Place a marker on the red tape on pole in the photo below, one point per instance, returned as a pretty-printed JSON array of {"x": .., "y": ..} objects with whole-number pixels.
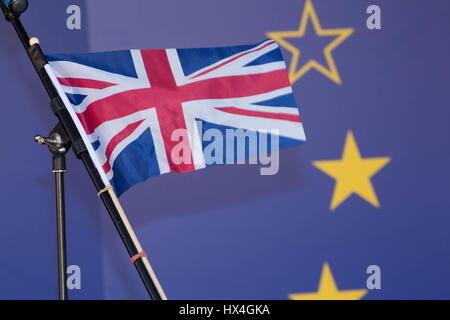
[{"x": 141, "y": 254}]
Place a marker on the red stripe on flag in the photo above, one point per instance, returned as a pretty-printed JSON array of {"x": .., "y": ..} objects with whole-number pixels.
[
  {"x": 85, "y": 83},
  {"x": 116, "y": 140},
  {"x": 119, "y": 105},
  {"x": 261, "y": 114},
  {"x": 235, "y": 58}
]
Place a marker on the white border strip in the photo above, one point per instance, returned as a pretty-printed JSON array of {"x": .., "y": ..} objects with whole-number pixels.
[{"x": 77, "y": 122}]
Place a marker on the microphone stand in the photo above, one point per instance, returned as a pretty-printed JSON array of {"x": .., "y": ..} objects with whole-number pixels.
[
  {"x": 58, "y": 144},
  {"x": 68, "y": 135}
]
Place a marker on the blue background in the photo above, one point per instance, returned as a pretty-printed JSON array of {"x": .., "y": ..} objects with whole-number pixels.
[{"x": 226, "y": 232}]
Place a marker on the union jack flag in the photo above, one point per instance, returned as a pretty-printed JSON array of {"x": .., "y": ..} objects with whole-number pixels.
[{"x": 129, "y": 103}]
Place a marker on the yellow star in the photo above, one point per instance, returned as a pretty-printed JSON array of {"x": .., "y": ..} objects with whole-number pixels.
[
  {"x": 296, "y": 73},
  {"x": 328, "y": 290},
  {"x": 352, "y": 173}
]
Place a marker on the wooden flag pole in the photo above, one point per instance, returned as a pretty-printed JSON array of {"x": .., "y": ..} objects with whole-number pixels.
[
  {"x": 109, "y": 198},
  {"x": 142, "y": 255}
]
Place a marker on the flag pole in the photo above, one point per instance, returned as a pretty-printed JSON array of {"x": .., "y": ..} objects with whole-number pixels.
[{"x": 105, "y": 190}]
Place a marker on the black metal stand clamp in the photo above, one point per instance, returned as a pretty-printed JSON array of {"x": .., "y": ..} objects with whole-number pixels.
[{"x": 68, "y": 129}]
